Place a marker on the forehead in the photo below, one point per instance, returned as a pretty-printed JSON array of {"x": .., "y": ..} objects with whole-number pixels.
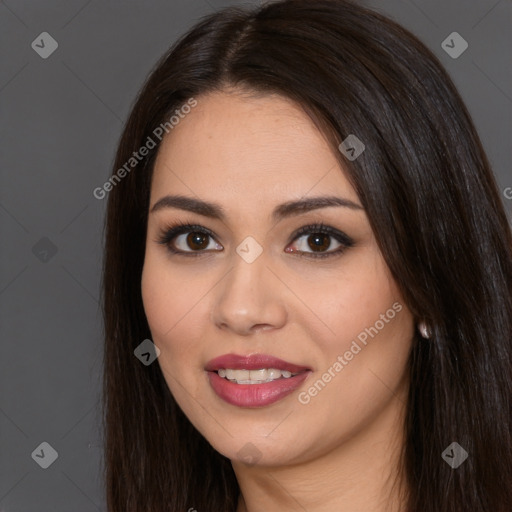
[{"x": 250, "y": 151}]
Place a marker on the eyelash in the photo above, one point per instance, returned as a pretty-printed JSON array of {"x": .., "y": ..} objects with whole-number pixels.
[{"x": 168, "y": 234}]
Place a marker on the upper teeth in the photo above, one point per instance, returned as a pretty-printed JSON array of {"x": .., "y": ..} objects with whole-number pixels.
[{"x": 254, "y": 376}]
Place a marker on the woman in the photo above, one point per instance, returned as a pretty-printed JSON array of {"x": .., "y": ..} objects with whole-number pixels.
[{"x": 303, "y": 222}]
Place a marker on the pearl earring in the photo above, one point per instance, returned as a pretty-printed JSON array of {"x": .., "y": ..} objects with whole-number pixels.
[{"x": 425, "y": 330}]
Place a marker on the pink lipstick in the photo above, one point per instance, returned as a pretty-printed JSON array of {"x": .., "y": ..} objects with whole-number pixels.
[{"x": 256, "y": 380}]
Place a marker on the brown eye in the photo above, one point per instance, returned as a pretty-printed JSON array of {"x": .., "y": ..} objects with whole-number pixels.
[
  {"x": 197, "y": 241},
  {"x": 193, "y": 241},
  {"x": 188, "y": 240},
  {"x": 319, "y": 241},
  {"x": 316, "y": 241}
]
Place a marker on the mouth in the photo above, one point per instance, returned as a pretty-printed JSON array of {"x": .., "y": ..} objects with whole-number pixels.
[
  {"x": 261, "y": 376},
  {"x": 254, "y": 381}
]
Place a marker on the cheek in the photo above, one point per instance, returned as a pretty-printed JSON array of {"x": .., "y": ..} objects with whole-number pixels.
[
  {"x": 341, "y": 308},
  {"x": 365, "y": 322},
  {"x": 171, "y": 307}
]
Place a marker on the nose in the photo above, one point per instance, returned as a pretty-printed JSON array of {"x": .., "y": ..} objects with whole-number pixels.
[{"x": 249, "y": 298}]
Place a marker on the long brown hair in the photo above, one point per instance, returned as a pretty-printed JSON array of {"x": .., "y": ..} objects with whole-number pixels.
[{"x": 433, "y": 204}]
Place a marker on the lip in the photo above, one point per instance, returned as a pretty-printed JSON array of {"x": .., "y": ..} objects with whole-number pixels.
[
  {"x": 254, "y": 395},
  {"x": 252, "y": 362}
]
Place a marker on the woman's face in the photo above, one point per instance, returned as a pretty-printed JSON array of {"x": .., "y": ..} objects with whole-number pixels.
[{"x": 254, "y": 287}]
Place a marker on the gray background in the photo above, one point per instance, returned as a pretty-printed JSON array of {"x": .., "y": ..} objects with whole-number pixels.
[{"x": 60, "y": 121}]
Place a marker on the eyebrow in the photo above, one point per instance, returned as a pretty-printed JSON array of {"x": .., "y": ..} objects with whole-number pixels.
[{"x": 216, "y": 211}]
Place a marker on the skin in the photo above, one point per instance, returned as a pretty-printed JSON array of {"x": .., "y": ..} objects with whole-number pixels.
[{"x": 340, "y": 450}]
